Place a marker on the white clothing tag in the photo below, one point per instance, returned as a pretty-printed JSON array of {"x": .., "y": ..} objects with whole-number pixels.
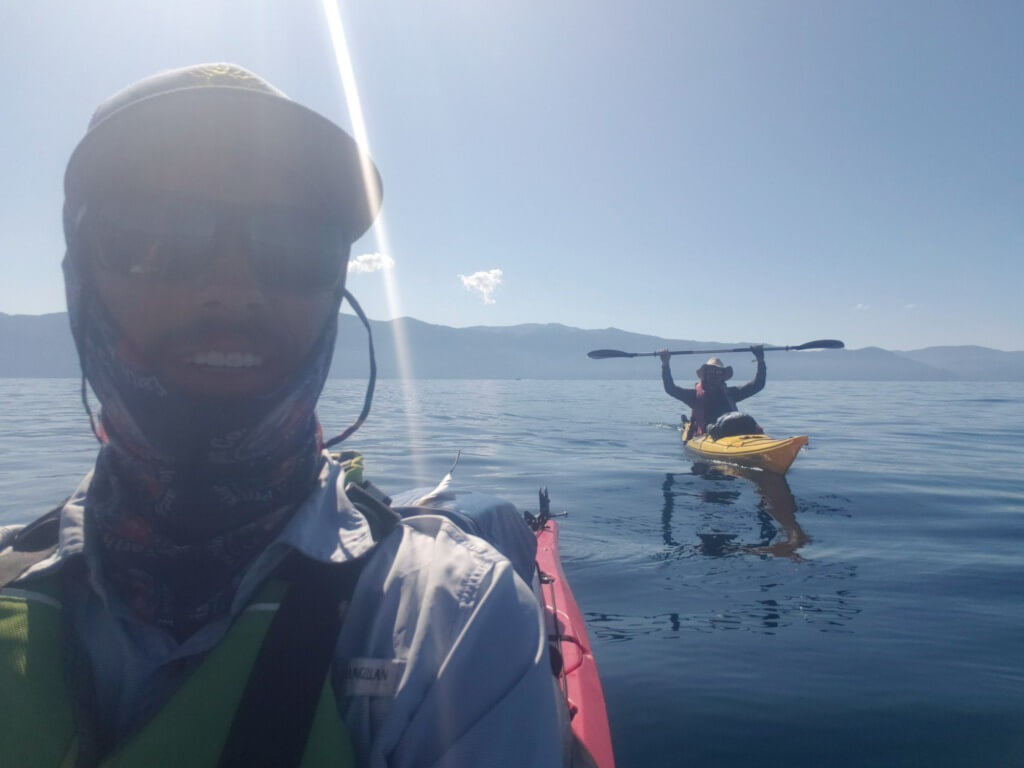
[{"x": 373, "y": 677}]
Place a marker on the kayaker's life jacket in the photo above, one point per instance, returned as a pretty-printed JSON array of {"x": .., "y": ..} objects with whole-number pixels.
[
  {"x": 709, "y": 406},
  {"x": 261, "y": 696}
]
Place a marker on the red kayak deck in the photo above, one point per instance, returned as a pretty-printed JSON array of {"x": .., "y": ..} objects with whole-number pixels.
[{"x": 578, "y": 677}]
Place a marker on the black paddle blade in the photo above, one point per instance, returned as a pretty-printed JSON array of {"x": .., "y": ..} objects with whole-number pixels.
[
  {"x": 604, "y": 354},
  {"x": 822, "y": 344}
]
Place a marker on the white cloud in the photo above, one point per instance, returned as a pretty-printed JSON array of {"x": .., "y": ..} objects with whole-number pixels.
[
  {"x": 863, "y": 307},
  {"x": 370, "y": 262},
  {"x": 484, "y": 283},
  {"x": 911, "y": 306}
]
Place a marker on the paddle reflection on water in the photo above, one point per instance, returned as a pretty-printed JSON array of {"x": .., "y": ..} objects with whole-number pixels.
[{"x": 776, "y": 511}]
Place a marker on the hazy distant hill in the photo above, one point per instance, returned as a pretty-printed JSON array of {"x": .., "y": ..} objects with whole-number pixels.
[
  {"x": 41, "y": 346},
  {"x": 37, "y": 346},
  {"x": 971, "y": 362}
]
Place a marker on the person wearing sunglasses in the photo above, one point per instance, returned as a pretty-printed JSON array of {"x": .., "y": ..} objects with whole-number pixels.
[
  {"x": 219, "y": 590},
  {"x": 710, "y": 399}
]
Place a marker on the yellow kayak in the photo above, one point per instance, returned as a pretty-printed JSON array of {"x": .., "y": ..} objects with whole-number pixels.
[{"x": 758, "y": 451}]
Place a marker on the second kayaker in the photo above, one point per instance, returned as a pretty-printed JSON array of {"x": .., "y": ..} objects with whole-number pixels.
[{"x": 710, "y": 398}]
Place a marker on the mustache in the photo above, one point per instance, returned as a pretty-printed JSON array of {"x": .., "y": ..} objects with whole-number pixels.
[{"x": 258, "y": 330}]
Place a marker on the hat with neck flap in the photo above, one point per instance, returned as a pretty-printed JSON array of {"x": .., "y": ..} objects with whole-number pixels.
[
  {"x": 186, "y": 490},
  {"x": 223, "y": 116}
]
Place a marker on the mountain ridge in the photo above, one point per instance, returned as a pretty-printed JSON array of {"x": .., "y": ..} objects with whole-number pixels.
[{"x": 40, "y": 346}]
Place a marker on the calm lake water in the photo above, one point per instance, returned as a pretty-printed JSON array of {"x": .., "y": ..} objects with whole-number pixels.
[{"x": 866, "y": 611}]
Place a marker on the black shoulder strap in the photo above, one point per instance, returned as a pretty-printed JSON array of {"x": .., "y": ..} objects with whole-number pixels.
[
  {"x": 32, "y": 544},
  {"x": 274, "y": 719}
]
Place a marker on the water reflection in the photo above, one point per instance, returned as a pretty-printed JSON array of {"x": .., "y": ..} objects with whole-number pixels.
[
  {"x": 780, "y": 534},
  {"x": 830, "y": 612}
]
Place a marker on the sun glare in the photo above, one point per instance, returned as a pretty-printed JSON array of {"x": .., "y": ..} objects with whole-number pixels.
[{"x": 355, "y": 111}]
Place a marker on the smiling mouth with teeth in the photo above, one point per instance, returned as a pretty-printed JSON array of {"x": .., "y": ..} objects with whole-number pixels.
[{"x": 226, "y": 360}]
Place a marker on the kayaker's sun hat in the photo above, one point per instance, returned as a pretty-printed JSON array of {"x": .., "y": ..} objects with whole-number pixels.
[
  {"x": 724, "y": 371},
  {"x": 222, "y": 116}
]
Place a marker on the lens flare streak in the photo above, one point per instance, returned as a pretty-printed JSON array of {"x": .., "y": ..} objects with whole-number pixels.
[{"x": 353, "y": 103}]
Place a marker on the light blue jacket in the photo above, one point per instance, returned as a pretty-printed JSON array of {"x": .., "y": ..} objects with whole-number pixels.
[{"x": 442, "y": 660}]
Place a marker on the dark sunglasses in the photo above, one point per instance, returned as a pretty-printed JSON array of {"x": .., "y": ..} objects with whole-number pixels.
[{"x": 176, "y": 240}]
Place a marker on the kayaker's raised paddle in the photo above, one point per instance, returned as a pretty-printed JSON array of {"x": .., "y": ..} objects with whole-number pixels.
[{"x": 604, "y": 354}]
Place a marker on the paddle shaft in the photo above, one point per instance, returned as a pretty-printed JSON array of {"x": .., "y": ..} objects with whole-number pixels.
[
  {"x": 709, "y": 351},
  {"x": 603, "y": 354}
]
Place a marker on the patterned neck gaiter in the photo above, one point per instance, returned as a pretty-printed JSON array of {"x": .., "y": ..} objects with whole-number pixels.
[{"x": 187, "y": 491}]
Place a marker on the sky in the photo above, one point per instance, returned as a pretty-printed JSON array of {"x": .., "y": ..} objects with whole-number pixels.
[{"x": 717, "y": 171}]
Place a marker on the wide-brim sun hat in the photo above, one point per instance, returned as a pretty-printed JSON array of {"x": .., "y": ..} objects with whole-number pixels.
[
  {"x": 223, "y": 116},
  {"x": 714, "y": 362}
]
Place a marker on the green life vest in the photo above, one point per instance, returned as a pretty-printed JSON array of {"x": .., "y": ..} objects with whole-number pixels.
[
  {"x": 37, "y": 723},
  {"x": 37, "y": 726}
]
